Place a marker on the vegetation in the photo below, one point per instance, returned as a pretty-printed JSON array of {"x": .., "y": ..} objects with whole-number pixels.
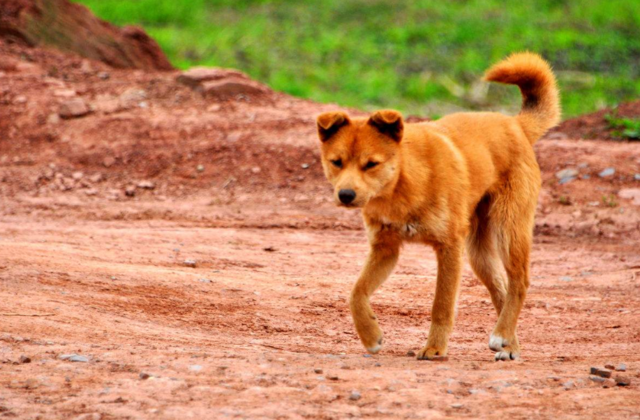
[
  {"x": 420, "y": 56},
  {"x": 625, "y": 128}
]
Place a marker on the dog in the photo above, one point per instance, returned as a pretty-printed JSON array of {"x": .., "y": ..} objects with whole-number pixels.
[{"x": 467, "y": 180}]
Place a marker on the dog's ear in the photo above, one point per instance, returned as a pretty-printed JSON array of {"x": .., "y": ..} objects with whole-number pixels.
[
  {"x": 389, "y": 123},
  {"x": 329, "y": 123}
]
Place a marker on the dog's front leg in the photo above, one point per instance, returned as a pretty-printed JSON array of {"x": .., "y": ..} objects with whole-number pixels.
[
  {"x": 385, "y": 247},
  {"x": 444, "y": 304}
]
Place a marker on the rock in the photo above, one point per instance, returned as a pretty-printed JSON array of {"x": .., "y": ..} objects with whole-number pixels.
[
  {"x": 25, "y": 359},
  {"x": 53, "y": 119},
  {"x": 74, "y": 108},
  {"x": 146, "y": 185},
  {"x": 636, "y": 177},
  {"x": 132, "y": 96},
  {"x": 232, "y": 87},
  {"x": 74, "y": 358},
  {"x": 566, "y": 278},
  {"x": 130, "y": 190},
  {"x": 144, "y": 376},
  {"x": 610, "y": 366},
  {"x": 269, "y": 249},
  {"x": 621, "y": 367},
  {"x": 332, "y": 377},
  {"x": 198, "y": 75},
  {"x": 622, "y": 381},
  {"x": 607, "y": 173},
  {"x": 77, "y": 175},
  {"x": 204, "y": 280},
  {"x": 20, "y": 99},
  {"x": 601, "y": 372},
  {"x": 355, "y": 395},
  {"x": 567, "y": 173},
  {"x": 597, "y": 379},
  {"x": 568, "y": 385},
  {"x": 256, "y": 170},
  {"x": 96, "y": 177},
  {"x": 200, "y": 168},
  {"x": 411, "y": 353},
  {"x": 64, "y": 93},
  {"x": 195, "y": 368},
  {"x": 190, "y": 263},
  {"x": 109, "y": 161},
  {"x": 305, "y": 166},
  {"x": 630, "y": 194},
  {"x": 104, "y": 75},
  {"x": 457, "y": 405},
  {"x": 317, "y": 370}
]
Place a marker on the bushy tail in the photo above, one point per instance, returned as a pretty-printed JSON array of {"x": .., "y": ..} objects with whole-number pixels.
[{"x": 540, "y": 96}]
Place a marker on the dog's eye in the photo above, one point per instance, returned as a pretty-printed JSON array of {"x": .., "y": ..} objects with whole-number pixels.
[
  {"x": 370, "y": 164},
  {"x": 337, "y": 163}
]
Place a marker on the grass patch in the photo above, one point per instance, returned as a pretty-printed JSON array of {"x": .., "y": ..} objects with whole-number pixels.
[
  {"x": 624, "y": 128},
  {"x": 419, "y": 56}
]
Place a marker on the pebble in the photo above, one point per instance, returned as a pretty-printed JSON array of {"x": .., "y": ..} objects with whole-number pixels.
[
  {"x": 609, "y": 366},
  {"x": 355, "y": 395},
  {"x": 204, "y": 280},
  {"x": 74, "y": 358},
  {"x": 74, "y": 108},
  {"x": 636, "y": 177},
  {"x": 25, "y": 359},
  {"x": 607, "y": 172},
  {"x": 305, "y": 166},
  {"x": 195, "y": 368},
  {"x": 317, "y": 370},
  {"x": 200, "y": 168},
  {"x": 367, "y": 355},
  {"x": 622, "y": 381},
  {"x": 630, "y": 194},
  {"x": 190, "y": 263},
  {"x": 568, "y": 385},
  {"x": 601, "y": 372},
  {"x": 144, "y": 376},
  {"x": 621, "y": 367},
  {"x": 146, "y": 185},
  {"x": 333, "y": 377},
  {"x": 130, "y": 191},
  {"x": 411, "y": 353},
  {"x": 597, "y": 379},
  {"x": 566, "y": 278},
  {"x": 567, "y": 175}
]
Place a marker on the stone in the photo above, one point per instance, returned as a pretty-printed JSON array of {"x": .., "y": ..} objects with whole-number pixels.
[
  {"x": 74, "y": 358},
  {"x": 567, "y": 173},
  {"x": 305, "y": 166},
  {"x": 636, "y": 177},
  {"x": 621, "y": 367},
  {"x": 317, "y": 370},
  {"x": 604, "y": 373},
  {"x": 198, "y": 75},
  {"x": 607, "y": 173},
  {"x": 77, "y": 175},
  {"x": 130, "y": 190},
  {"x": 74, "y": 108},
  {"x": 146, "y": 185},
  {"x": 630, "y": 194},
  {"x": 190, "y": 263},
  {"x": 355, "y": 395},
  {"x": 622, "y": 381},
  {"x": 144, "y": 376},
  {"x": 411, "y": 353},
  {"x": 232, "y": 87},
  {"x": 566, "y": 278},
  {"x": 25, "y": 359},
  {"x": 332, "y": 377},
  {"x": 457, "y": 405},
  {"x": 109, "y": 161},
  {"x": 609, "y": 366},
  {"x": 597, "y": 379},
  {"x": 195, "y": 368}
]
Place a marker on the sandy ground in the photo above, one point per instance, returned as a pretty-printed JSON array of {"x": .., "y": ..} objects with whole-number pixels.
[{"x": 99, "y": 212}]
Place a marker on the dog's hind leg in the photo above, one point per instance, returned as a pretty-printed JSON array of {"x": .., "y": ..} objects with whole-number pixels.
[
  {"x": 385, "y": 248},
  {"x": 483, "y": 254},
  {"x": 513, "y": 215}
]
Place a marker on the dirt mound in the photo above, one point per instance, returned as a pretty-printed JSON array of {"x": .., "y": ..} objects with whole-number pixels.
[
  {"x": 595, "y": 125},
  {"x": 72, "y": 27}
]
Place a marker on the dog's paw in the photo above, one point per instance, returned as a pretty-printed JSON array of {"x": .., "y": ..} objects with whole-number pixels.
[
  {"x": 376, "y": 347},
  {"x": 506, "y": 349},
  {"x": 431, "y": 353}
]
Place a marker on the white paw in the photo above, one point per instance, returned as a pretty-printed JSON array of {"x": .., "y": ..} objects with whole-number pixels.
[
  {"x": 506, "y": 355},
  {"x": 374, "y": 349},
  {"x": 496, "y": 343}
]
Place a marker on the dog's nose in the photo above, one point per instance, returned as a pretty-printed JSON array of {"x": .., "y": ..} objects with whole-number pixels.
[{"x": 347, "y": 196}]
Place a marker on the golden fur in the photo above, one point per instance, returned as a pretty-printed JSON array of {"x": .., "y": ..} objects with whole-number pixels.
[{"x": 468, "y": 180}]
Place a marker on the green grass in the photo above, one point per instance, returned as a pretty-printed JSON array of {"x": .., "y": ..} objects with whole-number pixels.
[
  {"x": 419, "y": 56},
  {"x": 625, "y": 128}
]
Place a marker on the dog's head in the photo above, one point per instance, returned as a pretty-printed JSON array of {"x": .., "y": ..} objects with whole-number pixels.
[{"x": 360, "y": 156}]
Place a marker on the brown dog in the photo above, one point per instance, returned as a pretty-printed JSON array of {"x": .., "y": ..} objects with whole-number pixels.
[{"x": 467, "y": 178}]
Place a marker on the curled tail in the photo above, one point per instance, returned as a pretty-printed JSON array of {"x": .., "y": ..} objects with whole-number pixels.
[{"x": 540, "y": 96}]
